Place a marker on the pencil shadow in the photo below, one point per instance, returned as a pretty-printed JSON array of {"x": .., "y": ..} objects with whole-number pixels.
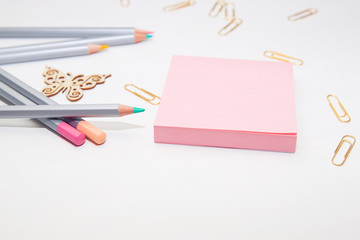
[
  {"x": 107, "y": 125},
  {"x": 104, "y": 125},
  {"x": 27, "y": 123}
]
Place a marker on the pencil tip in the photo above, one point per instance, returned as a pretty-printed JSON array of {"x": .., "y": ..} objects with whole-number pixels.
[
  {"x": 149, "y": 35},
  {"x": 143, "y": 31},
  {"x": 102, "y": 47},
  {"x": 94, "y": 48},
  {"x": 137, "y": 110}
]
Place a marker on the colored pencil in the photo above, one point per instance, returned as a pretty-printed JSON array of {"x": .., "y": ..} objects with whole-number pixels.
[
  {"x": 56, "y": 125},
  {"x": 104, "y": 40},
  {"x": 68, "y": 110},
  {"x": 50, "y": 53},
  {"x": 83, "y": 126},
  {"x": 66, "y": 32}
]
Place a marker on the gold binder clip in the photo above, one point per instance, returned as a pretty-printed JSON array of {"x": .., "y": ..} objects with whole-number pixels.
[
  {"x": 217, "y": 8},
  {"x": 125, "y": 3},
  {"x": 179, "y": 5},
  {"x": 302, "y": 14},
  {"x": 229, "y": 11},
  {"x": 343, "y": 140},
  {"x": 344, "y": 116},
  {"x": 230, "y": 26},
  {"x": 153, "y": 99},
  {"x": 283, "y": 57}
]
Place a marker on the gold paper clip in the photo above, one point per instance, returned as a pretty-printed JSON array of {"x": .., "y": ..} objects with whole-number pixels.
[
  {"x": 229, "y": 11},
  {"x": 302, "y": 14},
  {"x": 217, "y": 8},
  {"x": 343, "y": 117},
  {"x": 351, "y": 143},
  {"x": 230, "y": 26},
  {"x": 179, "y": 5},
  {"x": 285, "y": 58},
  {"x": 125, "y": 3},
  {"x": 153, "y": 99}
]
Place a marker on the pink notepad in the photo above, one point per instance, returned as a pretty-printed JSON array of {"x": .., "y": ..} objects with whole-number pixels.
[{"x": 228, "y": 103}]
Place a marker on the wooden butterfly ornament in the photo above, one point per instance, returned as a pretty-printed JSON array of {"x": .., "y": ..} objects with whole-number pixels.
[{"x": 72, "y": 86}]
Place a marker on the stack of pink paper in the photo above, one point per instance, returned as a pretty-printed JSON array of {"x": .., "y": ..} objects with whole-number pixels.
[{"x": 228, "y": 103}]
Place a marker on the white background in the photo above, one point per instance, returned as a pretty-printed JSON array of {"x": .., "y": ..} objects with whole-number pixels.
[{"x": 131, "y": 188}]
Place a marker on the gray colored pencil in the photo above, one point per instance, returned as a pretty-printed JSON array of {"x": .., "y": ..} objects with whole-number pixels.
[
  {"x": 105, "y": 40},
  {"x": 56, "y": 125},
  {"x": 66, "y": 32},
  {"x": 50, "y": 53},
  {"x": 67, "y": 110}
]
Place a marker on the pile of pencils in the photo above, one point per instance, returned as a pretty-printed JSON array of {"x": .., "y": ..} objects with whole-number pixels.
[
  {"x": 86, "y": 41},
  {"x": 62, "y": 119}
]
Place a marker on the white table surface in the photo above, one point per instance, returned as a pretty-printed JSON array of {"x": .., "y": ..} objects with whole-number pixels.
[{"x": 131, "y": 188}]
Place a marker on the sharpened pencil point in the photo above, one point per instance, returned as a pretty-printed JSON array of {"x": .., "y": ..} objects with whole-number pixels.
[
  {"x": 143, "y": 31},
  {"x": 94, "y": 48},
  {"x": 149, "y": 35},
  {"x": 137, "y": 110},
  {"x": 102, "y": 47}
]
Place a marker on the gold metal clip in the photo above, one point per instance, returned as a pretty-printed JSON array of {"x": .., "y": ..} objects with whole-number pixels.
[
  {"x": 125, "y": 3},
  {"x": 229, "y": 11},
  {"x": 179, "y": 5},
  {"x": 283, "y": 57},
  {"x": 302, "y": 14},
  {"x": 343, "y": 117},
  {"x": 217, "y": 8},
  {"x": 230, "y": 26},
  {"x": 343, "y": 140},
  {"x": 153, "y": 99}
]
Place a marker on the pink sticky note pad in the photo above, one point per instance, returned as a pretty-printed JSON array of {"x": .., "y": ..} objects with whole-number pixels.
[{"x": 228, "y": 103}]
